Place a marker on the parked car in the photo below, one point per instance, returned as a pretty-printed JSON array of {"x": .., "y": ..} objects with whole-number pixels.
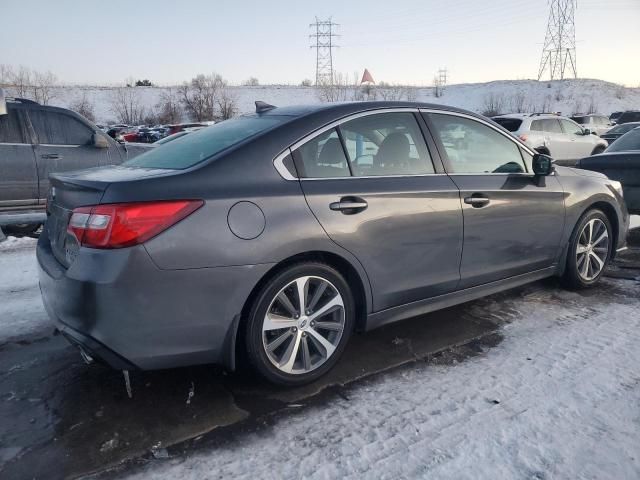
[
  {"x": 181, "y": 126},
  {"x": 175, "y": 136},
  {"x": 274, "y": 236},
  {"x": 614, "y": 117},
  {"x": 628, "y": 116},
  {"x": 618, "y": 131},
  {"x": 597, "y": 124},
  {"x": 37, "y": 140},
  {"x": 621, "y": 162},
  {"x": 553, "y": 135}
]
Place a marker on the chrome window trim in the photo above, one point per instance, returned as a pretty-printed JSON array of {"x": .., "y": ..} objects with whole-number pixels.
[
  {"x": 60, "y": 145},
  {"x": 376, "y": 176},
  {"x": 15, "y": 143},
  {"x": 279, "y": 166},
  {"x": 278, "y": 163}
]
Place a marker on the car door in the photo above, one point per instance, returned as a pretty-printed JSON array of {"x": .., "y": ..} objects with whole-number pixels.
[
  {"x": 18, "y": 173},
  {"x": 381, "y": 193},
  {"x": 580, "y": 145},
  {"x": 557, "y": 140},
  {"x": 63, "y": 143},
  {"x": 512, "y": 222}
]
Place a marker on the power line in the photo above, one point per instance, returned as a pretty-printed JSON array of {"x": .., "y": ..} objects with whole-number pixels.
[
  {"x": 324, "y": 45},
  {"x": 559, "y": 51}
]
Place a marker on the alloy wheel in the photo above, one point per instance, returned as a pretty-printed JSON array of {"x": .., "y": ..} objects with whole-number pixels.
[
  {"x": 303, "y": 325},
  {"x": 592, "y": 249}
]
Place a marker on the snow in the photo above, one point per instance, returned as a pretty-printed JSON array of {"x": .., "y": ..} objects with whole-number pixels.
[
  {"x": 567, "y": 96},
  {"x": 557, "y": 398},
  {"x": 21, "y": 310},
  {"x": 634, "y": 221}
]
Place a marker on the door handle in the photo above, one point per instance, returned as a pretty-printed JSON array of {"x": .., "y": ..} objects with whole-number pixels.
[
  {"x": 477, "y": 201},
  {"x": 349, "y": 205},
  {"x": 51, "y": 156}
]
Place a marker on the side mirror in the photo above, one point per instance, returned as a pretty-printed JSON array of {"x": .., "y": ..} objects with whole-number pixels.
[
  {"x": 3, "y": 103},
  {"x": 542, "y": 165},
  {"x": 99, "y": 141}
]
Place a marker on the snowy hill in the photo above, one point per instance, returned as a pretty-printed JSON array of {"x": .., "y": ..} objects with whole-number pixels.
[{"x": 568, "y": 96}]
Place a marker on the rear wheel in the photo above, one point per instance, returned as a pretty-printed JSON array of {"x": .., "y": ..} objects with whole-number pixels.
[
  {"x": 590, "y": 249},
  {"x": 22, "y": 229},
  {"x": 597, "y": 150},
  {"x": 299, "y": 324}
]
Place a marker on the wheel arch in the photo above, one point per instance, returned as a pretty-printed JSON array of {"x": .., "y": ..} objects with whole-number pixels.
[{"x": 360, "y": 289}]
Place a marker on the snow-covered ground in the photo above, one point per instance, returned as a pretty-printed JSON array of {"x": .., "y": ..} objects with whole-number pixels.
[
  {"x": 21, "y": 311},
  {"x": 557, "y": 398},
  {"x": 567, "y": 96}
]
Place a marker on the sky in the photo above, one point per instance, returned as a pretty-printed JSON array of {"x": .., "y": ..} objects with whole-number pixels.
[{"x": 403, "y": 41}]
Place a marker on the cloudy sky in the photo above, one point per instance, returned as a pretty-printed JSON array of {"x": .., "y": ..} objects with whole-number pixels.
[{"x": 404, "y": 41}]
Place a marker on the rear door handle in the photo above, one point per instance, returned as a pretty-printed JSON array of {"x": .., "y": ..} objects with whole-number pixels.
[
  {"x": 51, "y": 156},
  {"x": 477, "y": 200},
  {"x": 349, "y": 205}
]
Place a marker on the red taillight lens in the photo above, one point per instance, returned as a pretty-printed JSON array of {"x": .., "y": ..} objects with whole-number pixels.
[{"x": 121, "y": 225}]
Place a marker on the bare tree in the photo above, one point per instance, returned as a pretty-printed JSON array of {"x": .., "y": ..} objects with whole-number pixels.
[
  {"x": 227, "y": 105},
  {"x": 84, "y": 107},
  {"x": 6, "y": 75},
  {"x": 43, "y": 86},
  {"x": 518, "y": 102},
  {"x": 391, "y": 92},
  {"x": 337, "y": 89},
  {"x": 21, "y": 81},
  {"x": 169, "y": 109},
  {"x": 126, "y": 105},
  {"x": 251, "y": 82},
  {"x": 493, "y": 105},
  {"x": 200, "y": 96},
  {"x": 593, "y": 105}
]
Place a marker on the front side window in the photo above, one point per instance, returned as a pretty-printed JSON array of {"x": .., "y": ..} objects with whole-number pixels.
[
  {"x": 571, "y": 128},
  {"x": 473, "y": 147},
  {"x": 322, "y": 157},
  {"x": 59, "y": 129},
  {"x": 386, "y": 144},
  {"x": 10, "y": 127}
]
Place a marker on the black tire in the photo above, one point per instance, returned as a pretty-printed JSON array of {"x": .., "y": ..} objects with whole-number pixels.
[
  {"x": 572, "y": 277},
  {"x": 255, "y": 347},
  {"x": 23, "y": 229},
  {"x": 599, "y": 149}
]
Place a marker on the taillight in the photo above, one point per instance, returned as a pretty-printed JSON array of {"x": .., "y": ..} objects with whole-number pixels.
[
  {"x": 121, "y": 225},
  {"x": 523, "y": 138}
]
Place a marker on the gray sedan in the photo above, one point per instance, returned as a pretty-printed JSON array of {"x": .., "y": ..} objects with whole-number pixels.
[{"x": 274, "y": 236}]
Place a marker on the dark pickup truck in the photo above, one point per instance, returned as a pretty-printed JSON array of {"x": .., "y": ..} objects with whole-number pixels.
[{"x": 37, "y": 140}]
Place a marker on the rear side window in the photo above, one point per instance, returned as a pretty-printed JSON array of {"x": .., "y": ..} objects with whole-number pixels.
[
  {"x": 474, "y": 148},
  {"x": 59, "y": 129},
  {"x": 511, "y": 124},
  {"x": 537, "y": 126},
  {"x": 198, "y": 146},
  {"x": 322, "y": 157},
  {"x": 386, "y": 144},
  {"x": 11, "y": 128}
]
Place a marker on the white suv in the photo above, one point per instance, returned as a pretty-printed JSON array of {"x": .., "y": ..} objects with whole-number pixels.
[
  {"x": 598, "y": 124},
  {"x": 554, "y": 135}
]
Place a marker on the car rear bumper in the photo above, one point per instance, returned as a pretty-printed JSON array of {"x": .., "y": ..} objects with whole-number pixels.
[{"x": 117, "y": 305}]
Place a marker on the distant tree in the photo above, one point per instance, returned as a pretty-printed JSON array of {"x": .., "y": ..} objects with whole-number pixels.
[
  {"x": 306, "y": 83},
  {"x": 84, "y": 107},
  {"x": 126, "y": 106},
  {"x": 43, "y": 87},
  {"x": 251, "y": 82},
  {"x": 169, "y": 109},
  {"x": 227, "y": 105},
  {"x": 493, "y": 105},
  {"x": 144, "y": 83},
  {"x": 205, "y": 98}
]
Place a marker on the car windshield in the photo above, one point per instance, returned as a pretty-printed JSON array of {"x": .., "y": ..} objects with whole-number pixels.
[
  {"x": 511, "y": 124},
  {"x": 198, "y": 146},
  {"x": 624, "y": 128},
  {"x": 629, "y": 141}
]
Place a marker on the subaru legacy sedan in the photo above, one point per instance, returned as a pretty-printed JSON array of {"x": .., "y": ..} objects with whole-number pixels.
[{"x": 274, "y": 236}]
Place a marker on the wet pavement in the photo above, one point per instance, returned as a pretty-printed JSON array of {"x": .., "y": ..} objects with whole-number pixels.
[{"x": 61, "y": 418}]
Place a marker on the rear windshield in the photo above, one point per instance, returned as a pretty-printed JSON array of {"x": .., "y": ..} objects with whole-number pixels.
[
  {"x": 629, "y": 141},
  {"x": 624, "y": 128},
  {"x": 581, "y": 120},
  {"x": 198, "y": 146},
  {"x": 511, "y": 124}
]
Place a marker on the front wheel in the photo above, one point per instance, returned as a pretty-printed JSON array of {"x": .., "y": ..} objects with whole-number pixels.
[
  {"x": 599, "y": 149},
  {"x": 299, "y": 324},
  {"x": 590, "y": 249}
]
